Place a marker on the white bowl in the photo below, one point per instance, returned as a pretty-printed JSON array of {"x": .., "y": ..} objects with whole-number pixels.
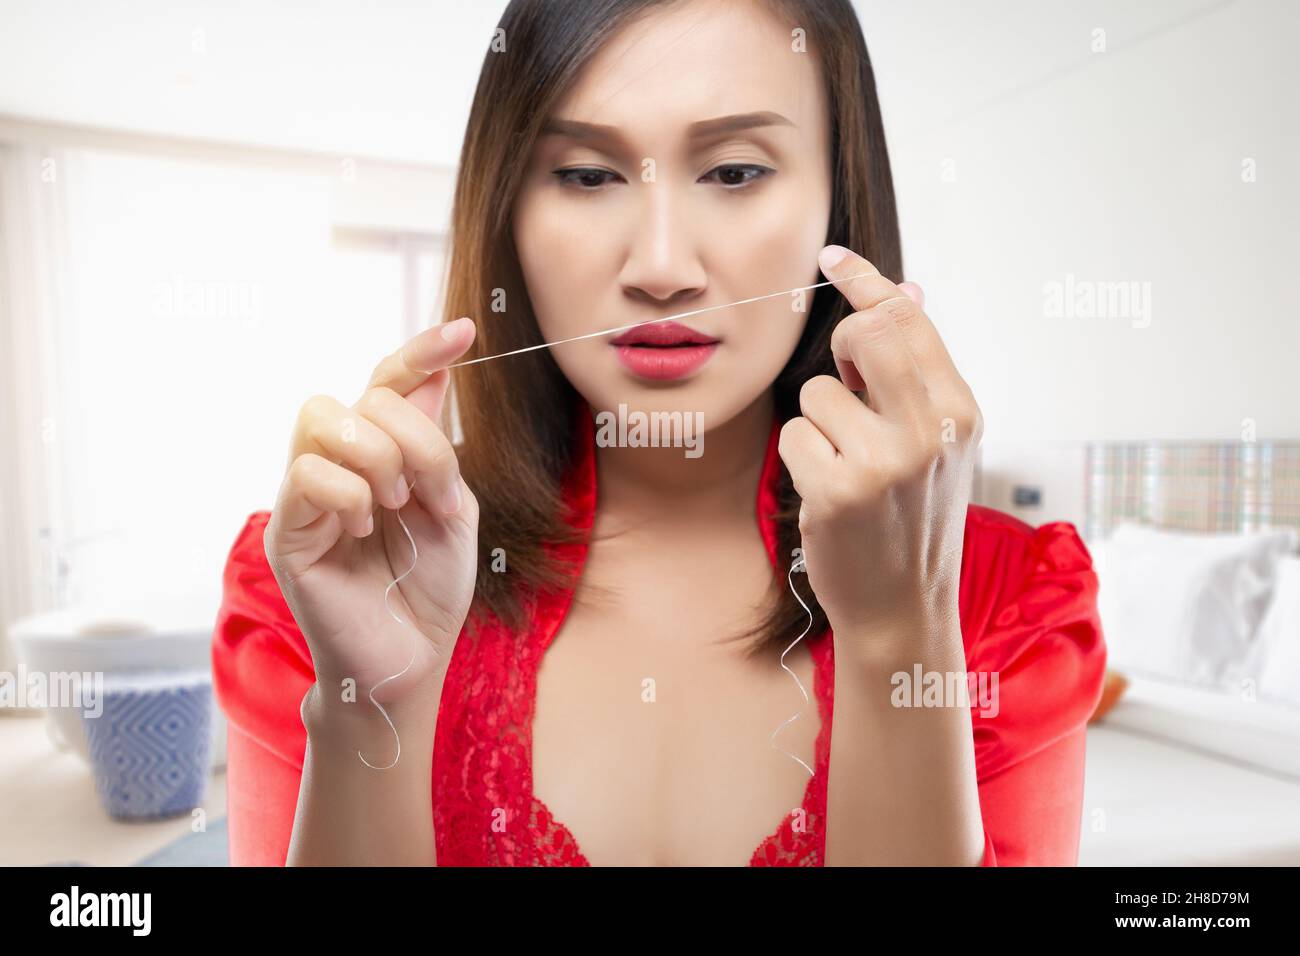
[{"x": 114, "y": 641}]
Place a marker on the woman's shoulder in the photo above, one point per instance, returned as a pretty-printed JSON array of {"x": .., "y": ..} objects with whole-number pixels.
[
  {"x": 248, "y": 543},
  {"x": 249, "y": 590},
  {"x": 998, "y": 537},
  {"x": 246, "y": 562},
  {"x": 1010, "y": 567},
  {"x": 1030, "y": 621}
]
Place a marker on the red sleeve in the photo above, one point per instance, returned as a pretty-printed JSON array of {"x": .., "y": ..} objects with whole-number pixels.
[
  {"x": 261, "y": 669},
  {"x": 990, "y": 857},
  {"x": 1043, "y": 644}
]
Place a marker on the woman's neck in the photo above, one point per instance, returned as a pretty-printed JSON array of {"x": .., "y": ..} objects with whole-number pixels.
[{"x": 663, "y": 488}]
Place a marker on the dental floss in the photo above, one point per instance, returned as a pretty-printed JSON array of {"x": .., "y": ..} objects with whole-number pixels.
[
  {"x": 633, "y": 325},
  {"x": 798, "y": 563},
  {"x": 415, "y": 551}
]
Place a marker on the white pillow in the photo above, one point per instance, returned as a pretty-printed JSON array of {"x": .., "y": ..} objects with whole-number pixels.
[
  {"x": 1276, "y": 661},
  {"x": 1183, "y": 605}
]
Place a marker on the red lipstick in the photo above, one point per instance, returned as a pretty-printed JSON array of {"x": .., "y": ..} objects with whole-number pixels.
[{"x": 663, "y": 350}]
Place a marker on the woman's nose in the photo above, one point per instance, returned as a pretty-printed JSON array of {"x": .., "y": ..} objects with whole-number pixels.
[{"x": 664, "y": 257}]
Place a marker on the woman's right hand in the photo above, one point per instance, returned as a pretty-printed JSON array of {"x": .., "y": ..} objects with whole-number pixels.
[{"x": 334, "y": 557}]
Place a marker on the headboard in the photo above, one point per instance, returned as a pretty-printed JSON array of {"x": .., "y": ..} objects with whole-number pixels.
[{"x": 1192, "y": 486}]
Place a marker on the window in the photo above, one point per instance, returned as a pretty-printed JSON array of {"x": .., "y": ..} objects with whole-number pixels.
[{"x": 206, "y": 301}]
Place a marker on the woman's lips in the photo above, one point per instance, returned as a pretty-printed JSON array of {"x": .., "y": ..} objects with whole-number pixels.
[
  {"x": 664, "y": 363},
  {"x": 663, "y": 350}
]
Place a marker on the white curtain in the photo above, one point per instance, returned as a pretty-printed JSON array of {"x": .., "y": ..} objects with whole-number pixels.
[
  {"x": 163, "y": 320},
  {"x": 35, "y": 289}
]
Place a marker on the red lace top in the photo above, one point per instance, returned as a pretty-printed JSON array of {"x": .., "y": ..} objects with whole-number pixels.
[{"x": 1028, "y": 612}]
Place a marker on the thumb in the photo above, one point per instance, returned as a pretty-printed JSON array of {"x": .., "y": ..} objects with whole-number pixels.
[
  {"x": 914, "y": 292},
  {"x": 429, "y": 396},
  {"x": 854, "y": 276}
]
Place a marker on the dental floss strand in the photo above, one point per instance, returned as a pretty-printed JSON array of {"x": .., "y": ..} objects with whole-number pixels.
[
  {"x": 415, "y": 554},
  {"x": 666, "y": 318},
  {"x": 797, "y": 564}
]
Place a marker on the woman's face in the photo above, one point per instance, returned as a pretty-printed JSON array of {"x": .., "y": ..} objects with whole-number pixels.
[{"x": 688, "y": 167}]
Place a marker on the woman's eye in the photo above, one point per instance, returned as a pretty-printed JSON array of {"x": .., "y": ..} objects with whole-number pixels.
[
  {"x": 737, "y": 175},
  {"x": 585, "y": 178},
  {"x": 732, "y": 176}
]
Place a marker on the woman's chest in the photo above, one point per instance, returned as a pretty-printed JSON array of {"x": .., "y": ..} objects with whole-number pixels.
[{"x": 652, "y": 739}]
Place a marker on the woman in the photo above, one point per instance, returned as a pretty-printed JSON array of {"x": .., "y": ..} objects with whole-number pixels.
[{"x": 625, "y": 161}]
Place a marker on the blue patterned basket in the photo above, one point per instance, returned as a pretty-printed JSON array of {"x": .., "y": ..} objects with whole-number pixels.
[{"x": 150, "y": 747}]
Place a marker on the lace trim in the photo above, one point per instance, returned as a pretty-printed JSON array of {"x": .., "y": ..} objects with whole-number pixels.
[{"x": 485, "y": 812}]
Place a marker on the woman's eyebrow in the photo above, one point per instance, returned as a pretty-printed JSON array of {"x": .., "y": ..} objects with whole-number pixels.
[
  {"x": 576, "y": 129},
  {"x": 736, "y": 122}
]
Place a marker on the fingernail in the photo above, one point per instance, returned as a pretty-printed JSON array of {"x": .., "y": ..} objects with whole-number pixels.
[
  {"x": 453, "y": 330},
  {"x": 831, "y": 256},
  {"x": 370, "y": 526},
  {"x": 402, "y": 492},
  {"x": 450, "y": 501}
]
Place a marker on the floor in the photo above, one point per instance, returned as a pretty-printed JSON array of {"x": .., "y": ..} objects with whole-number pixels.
[{"x": 50, "y": 815}]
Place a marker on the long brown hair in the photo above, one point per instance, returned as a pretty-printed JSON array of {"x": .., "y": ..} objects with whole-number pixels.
[{"x": 518, "y": 416}]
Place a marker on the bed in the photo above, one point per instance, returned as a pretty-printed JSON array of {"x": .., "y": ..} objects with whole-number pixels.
[
  {"x": 1198, "y": 763},
  {"x": 1163, "y": 786}
]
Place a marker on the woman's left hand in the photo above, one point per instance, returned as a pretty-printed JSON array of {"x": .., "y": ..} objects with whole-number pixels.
[{"x": 885, "y": 482}]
